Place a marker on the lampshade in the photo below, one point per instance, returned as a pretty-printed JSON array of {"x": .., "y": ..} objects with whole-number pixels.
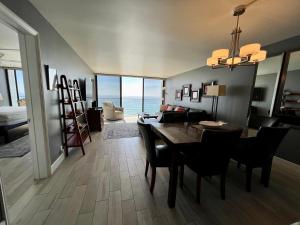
[
  {"x": 212, "y": 61},
  {"x": 260, "y": 56},
  {"x": 249, "y": 49},
  {"x": 220, "y": 53},
  {"x": 1, "y": 97},
  {"x": 216, "y": 90},
  {"x": 236, "y": 60}
]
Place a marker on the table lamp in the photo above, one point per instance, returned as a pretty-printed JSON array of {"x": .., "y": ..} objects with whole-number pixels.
[{"x": 215, "y": 91}]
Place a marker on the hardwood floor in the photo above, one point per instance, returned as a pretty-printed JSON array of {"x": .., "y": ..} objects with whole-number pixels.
[{"x": 107, "y": 186}]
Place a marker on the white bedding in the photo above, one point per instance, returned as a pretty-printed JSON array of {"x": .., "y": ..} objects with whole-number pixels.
[{"x": 11, "y": 115}]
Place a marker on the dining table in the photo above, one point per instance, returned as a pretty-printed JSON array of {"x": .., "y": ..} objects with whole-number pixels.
[{"x": 181, "y": 137}]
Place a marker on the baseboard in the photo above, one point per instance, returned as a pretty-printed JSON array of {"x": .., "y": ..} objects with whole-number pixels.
[{"x": 57, "y": 163}]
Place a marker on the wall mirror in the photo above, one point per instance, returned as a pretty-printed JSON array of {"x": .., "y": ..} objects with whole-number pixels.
[
  {"x": 290, "y": 101},
  {"x": 264, "y": 92}
]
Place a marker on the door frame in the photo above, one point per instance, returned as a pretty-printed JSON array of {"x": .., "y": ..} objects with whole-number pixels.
[{"x": 33, "y": 80}]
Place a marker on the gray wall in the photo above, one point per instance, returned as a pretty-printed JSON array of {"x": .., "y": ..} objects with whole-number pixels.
[
  {"x": 266, "y": 81},
  {"x": 56, "y": 53},
  {"x": 3, "y": 88},
  {"x": 233, "y": 107}
]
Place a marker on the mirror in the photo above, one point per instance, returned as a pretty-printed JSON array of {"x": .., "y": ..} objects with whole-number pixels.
[
  {"x": 290, "y": 102},
  {"x": 264, "y": 91}
]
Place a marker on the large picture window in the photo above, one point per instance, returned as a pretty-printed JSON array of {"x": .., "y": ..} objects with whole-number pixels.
[
  {"x": 108, "y": 88},
  {"x": 152, "y": 95},
  {"x": 134, "y": 94}
]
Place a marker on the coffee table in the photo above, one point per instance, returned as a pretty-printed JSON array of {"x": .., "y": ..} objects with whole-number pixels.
[{"x": 145, "y": 115}]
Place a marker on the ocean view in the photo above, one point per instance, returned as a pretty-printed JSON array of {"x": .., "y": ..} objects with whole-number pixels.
[{"x": 133, "y": 104}]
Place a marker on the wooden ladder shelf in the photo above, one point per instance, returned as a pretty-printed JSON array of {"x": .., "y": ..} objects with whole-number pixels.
[{"x": 75, "y": 126}]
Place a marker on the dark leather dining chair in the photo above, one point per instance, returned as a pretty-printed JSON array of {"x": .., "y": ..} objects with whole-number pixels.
[
  {"x": 156, "y": 155},
  {"x": 258, "y": 152},
  {"x": 269, "y": 122},
  {"x": 211, "y": 157}
]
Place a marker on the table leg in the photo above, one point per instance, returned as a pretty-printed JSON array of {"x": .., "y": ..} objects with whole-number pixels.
[{"x": 173, "y": 180}]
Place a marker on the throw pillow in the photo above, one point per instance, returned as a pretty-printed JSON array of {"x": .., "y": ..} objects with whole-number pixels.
[
  {"x": 163, "y": 108},
  {"x": 170, "y": 108},
  {"x": 179, "y": 109}
]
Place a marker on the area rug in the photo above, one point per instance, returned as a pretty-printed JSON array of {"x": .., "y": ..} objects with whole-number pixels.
[
  {"x": 15, "y": 148},
  {"x": 120, "y": 130}
]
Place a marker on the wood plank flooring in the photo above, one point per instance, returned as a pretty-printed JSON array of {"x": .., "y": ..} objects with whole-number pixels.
[{"x": 108, "y": 187}]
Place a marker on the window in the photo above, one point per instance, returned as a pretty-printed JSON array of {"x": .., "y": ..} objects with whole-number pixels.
[
  {"x": 108, "y": 88},
  {"x": 16, "y": 87},
  {"x": 152, "y": 95},
  {"x": 132, "y": 95}
]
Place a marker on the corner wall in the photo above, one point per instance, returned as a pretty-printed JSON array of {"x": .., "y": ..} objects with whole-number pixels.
[
  {"x": 56, "y": 53},
  {"x": 233, "y": 107}
]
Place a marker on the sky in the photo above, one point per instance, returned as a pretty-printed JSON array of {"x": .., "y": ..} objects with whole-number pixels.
[{"x": 131, "y": 86}]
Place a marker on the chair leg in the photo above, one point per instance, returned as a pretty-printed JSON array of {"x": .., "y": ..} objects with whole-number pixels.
[
  {"x": 198, "y": 190},
  {"x": 181, "y": 174},
  {"x": 147, "y": 167},
  {"x": 223, "y": 180},
  {"x": 153, "y": 179},
  {"x": 265, "y": 175},
  {"x": 248, "y": 178}
]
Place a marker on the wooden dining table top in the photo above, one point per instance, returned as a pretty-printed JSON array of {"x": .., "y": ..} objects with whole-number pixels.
[{"x": 184, "y": 133}]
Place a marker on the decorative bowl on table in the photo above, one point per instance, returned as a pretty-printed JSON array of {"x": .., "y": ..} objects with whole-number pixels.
[{"x": 212, "y": 124}]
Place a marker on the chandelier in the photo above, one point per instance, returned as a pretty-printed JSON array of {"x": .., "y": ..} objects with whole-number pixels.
[{"x": 249, "y": 54}]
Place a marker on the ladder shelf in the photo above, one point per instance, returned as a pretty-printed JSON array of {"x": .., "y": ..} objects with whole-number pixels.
[{"x": 74, "y": 116}]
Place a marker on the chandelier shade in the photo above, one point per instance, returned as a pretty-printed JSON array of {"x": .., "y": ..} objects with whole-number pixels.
[
  {"x": 249, "y": 54},
  {"x": 212, "y": 61},
  {"x": 258, "y": 57},
  {"x": 249, "y": 49},
  {"x": 220, "y": 54},
  {"x": 233, "y": 61}
]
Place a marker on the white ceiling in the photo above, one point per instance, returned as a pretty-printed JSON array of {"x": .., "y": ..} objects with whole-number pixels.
[
  {"x": 163, "y": 37},
  {"x": 9, "y": 47}
]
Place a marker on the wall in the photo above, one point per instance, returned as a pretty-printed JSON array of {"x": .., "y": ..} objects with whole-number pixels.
[
  {"x": 233, "y": 107},
  {"x": 3, "y": 88},
  {"x": 56, "y": 53},
  {"x": 266, "y": 81}
]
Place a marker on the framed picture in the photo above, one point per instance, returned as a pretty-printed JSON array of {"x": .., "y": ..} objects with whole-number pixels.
[
  {"x": 178, "y": 95},
  {"x": 196, "y": 95},
  {"x": 51, "y": 78},
  {"x": 204, "y": 87},
  {"x": 186, "y": 89}
]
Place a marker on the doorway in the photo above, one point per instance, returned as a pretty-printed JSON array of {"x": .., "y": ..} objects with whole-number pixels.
[{"x": 30, "y": 62}]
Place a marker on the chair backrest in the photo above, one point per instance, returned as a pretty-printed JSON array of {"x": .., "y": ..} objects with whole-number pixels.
[
  {"x": 268, "y": 139},
  {"x": 269, "y": 122},
  {"x": 217, "y": 146},
  {"x": 108, "y": 104},
  {"x": 108, "y": 110},
  {"x": 149, "y": 140}
]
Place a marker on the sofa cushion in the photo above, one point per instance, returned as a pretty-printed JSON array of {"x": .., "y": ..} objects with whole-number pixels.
[
  {"x": 196, "y": 116},
  {"x": 173, "y": 117}
]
